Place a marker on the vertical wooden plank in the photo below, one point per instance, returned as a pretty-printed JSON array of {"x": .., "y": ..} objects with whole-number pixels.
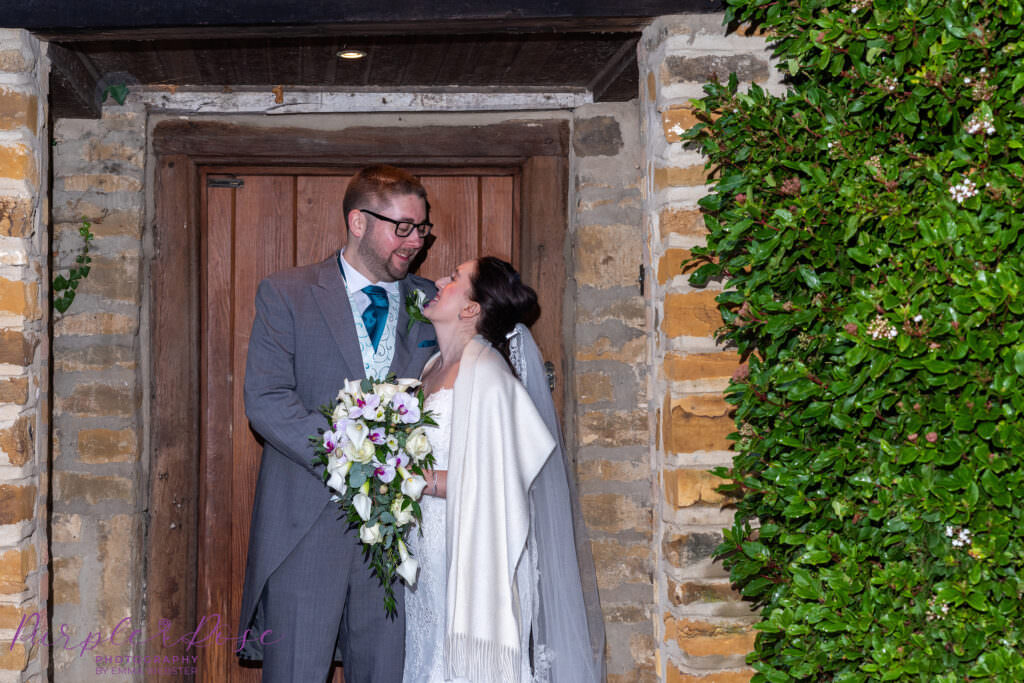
[
  {"x": 214, "y": 587},
  {"x": 544, "y": 227},
  {"x": 264, "y": 242},
  {"x": 497, "y": 221},
  {"x": 171, "y": 533},
  {"x": 454, "y": 211},
  {"x": 320, "y": 221}
]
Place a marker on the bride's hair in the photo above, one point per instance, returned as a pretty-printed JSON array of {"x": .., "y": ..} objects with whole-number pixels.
[{"x": 504, "y": 300}]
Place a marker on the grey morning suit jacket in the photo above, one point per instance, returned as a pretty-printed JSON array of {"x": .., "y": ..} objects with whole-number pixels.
[{"x": 302, "y": 348}]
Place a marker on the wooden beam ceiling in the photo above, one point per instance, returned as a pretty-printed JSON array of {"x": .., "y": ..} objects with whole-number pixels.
[{"x": 61, "y": 17}]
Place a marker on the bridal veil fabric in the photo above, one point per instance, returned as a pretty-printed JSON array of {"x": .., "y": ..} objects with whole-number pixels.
[{"x": 516, "y": 550}]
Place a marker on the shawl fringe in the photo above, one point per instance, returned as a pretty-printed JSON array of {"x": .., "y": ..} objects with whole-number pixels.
[{"x": 481, "y": 661}]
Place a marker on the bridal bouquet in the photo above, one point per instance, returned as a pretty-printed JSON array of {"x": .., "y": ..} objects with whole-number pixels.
[{"x": 374, "y": 451}]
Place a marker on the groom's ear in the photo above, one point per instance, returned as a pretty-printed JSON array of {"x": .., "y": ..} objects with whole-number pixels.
[{"x": 356, "y": 222}]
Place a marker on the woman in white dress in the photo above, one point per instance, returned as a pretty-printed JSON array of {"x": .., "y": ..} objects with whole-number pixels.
[{"x": 506, "y": 590}]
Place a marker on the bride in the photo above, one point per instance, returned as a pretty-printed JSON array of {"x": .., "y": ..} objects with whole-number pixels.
[{"x": 502, "y": 551}]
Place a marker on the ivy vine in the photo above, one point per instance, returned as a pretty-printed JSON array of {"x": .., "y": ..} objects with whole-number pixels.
[{"x": 64, "y": 288}]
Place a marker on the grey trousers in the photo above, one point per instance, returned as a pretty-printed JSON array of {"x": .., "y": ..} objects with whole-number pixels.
[{"x": 324, "y": 594}]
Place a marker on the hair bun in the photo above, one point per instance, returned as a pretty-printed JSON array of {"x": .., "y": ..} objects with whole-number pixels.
[{"x": 504, "y": 300}]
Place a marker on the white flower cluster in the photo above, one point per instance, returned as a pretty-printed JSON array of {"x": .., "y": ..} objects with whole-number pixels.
[
  {"x": 961, "y": 537},
  {"x": 890, "y": 84},
  {"x": 963, "y": 190},
  {"x": 881, "y": 329},
  {"x": 980, "y": 123},
  {"x": 936, "y": 609}
]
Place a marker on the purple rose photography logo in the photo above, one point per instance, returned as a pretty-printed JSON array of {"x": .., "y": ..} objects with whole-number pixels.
[{"x": 209, "y": 631}]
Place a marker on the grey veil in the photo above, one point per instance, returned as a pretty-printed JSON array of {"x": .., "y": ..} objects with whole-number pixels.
[{"x": 568, "y": 631}]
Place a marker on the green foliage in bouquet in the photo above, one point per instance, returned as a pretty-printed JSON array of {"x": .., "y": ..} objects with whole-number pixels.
[
  {"x": 869, "y": 227},
  {"x": 374, "y": 453}
]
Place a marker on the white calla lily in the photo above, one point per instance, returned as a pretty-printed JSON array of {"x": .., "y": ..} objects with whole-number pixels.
[
  {"x": 409, "y": 566},
  {"x": 338, "y": 470},
  {"x": 362, "y": 504},
  {"x": 412, "y": 484}
]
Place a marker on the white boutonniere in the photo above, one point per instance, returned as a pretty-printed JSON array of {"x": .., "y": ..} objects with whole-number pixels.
[{"x": 414, "y": 307}]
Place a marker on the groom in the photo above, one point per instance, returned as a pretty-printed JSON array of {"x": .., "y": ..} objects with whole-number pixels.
[{"x": 316, "y": 326}]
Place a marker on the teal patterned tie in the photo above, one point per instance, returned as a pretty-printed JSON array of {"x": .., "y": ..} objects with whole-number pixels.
[{"x": 376, "y": 314}]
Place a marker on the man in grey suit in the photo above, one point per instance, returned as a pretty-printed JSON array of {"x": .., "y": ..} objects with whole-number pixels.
[{"x": 306, "y": 580}]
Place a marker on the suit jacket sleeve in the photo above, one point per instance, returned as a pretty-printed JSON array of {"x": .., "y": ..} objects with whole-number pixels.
[{"x": 272, "y": 403}]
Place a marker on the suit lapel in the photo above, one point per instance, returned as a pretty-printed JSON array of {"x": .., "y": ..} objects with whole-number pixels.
[
  {"x": 330, "y": 295},
  {"x": 403, "y": 339}
]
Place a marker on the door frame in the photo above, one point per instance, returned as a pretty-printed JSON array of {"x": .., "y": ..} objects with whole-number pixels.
[{"x": 539, "y": 147}]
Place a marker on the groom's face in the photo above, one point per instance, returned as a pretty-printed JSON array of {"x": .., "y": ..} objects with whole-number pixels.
[{"x": 383, "y": 255}]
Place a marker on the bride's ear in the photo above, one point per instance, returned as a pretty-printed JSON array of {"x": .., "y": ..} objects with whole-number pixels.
[{"x": 470, "y": 310}]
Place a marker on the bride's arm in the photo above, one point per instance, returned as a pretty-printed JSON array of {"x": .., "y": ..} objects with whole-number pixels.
[{"x": 437, "y": 483}]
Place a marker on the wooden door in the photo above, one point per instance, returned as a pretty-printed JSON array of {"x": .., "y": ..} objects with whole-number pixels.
[{"x": 258, "y": 222}]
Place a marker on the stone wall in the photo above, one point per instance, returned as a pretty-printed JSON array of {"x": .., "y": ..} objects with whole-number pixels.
[
  {"x": 98, "y": 482},
  {"x": 24, "y": 350},
  {"x": 703, "y": 629},
  {"x": 610, "y": 369}
]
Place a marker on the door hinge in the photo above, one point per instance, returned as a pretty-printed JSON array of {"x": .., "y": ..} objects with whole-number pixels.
[
  {"x": 224, "y": 182},
  {"x": 641, "y": 279},
  {"x": 549, "y": 370}
]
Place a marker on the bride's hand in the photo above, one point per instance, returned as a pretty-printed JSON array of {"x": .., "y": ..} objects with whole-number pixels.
[{"x": 437, "y": 483}]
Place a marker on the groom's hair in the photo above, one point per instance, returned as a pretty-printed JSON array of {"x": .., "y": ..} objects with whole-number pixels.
[{"x": 371, "y": 187}]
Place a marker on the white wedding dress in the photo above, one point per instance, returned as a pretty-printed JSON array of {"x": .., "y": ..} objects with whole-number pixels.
[{"x": 425, "y": 602}]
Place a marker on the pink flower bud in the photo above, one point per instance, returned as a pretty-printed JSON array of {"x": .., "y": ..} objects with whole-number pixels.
[
  {"x": 851, "y": 328},
  {"x": 932, "y": 437}
]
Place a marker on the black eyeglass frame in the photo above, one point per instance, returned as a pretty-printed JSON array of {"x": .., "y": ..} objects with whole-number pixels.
[{"x": 422, "y": 229}]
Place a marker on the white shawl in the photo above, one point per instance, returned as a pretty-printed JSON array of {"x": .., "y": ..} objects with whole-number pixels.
[{"x": 500, "y": 444}]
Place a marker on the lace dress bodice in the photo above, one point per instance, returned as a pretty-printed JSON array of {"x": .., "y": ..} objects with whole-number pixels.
[{"x": 425, "y": 602}]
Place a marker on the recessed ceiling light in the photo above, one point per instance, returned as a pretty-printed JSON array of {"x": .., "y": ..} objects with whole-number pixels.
[{"x": 351, "y": 54}]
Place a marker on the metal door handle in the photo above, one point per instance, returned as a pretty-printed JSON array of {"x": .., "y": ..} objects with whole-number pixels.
[{"x": 549, "y": 370}]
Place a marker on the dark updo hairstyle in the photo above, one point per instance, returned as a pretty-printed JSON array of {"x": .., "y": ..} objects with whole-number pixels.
[{"x": 504, "y": 301}]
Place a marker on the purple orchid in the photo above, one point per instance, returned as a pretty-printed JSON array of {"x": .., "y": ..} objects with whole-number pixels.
[{"x": 407, "y": 407}]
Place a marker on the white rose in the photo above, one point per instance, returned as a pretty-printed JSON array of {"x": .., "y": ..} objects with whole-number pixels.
[
  {"x": 385, "y": 391},
  {"x": 370, "y": 535},
  {"x": 362, "y": 453},
  {"x": 359, "y": 448},
  {"x": 340, "y": 412},
  {"x": 417, "y": 444},
  {"x": 413, "y": 486},
  {"x": 402, "y": 516},
  {"x": 407, "y": 382}
]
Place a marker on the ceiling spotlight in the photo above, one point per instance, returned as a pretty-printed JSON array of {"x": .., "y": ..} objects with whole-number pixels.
[{"x": 348, "y": 53}]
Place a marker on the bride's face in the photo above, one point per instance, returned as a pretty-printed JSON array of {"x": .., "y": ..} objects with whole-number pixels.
[{"x": 452, "y": 302}]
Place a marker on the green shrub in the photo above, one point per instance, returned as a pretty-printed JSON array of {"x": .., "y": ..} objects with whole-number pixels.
[{"x": 869, "y": 226}]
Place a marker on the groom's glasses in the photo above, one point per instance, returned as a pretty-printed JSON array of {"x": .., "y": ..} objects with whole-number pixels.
[{"x": 403, "y": 228}]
